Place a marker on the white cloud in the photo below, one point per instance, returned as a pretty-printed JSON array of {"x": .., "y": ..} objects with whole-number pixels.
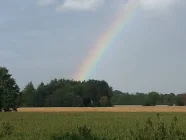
[
  {"x": 158, "y": 4},
  {"x": 81, "y": 5},
  {"x": 92, "y": 5},
  {"x": 46, "y": 2}
]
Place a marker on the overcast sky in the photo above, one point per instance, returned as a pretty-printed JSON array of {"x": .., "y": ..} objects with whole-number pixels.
[{"x": 45, "y": 39}]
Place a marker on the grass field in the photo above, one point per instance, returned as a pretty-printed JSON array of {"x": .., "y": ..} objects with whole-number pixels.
[{"x": 41, "y": 123}]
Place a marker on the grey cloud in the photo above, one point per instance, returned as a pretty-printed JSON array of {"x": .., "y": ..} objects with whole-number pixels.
[{"x": 73, "y": 5}]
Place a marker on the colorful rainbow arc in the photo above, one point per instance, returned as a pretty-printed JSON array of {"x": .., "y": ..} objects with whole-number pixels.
[{"x": 103, "y": 43}]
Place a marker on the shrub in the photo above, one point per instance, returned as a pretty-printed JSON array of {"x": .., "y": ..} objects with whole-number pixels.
[
  {"x": 179, "y": 102},
  {"x": 104, "y": 100},
  {"x": 161, "y": 131},
  {"x": 170, "y": 104},
  {"x": 83, "y": 133}
]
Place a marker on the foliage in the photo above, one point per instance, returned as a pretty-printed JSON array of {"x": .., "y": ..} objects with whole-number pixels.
[
  {"x": 180, "y": 100},
  {"x": 9, "y": 91},
  {"x": 104, "y": 101},
  {"x": 149, "y": 99},
  {"x": 28, "y": 95},
  {"x": 83, "y": 133},
  {"x": 67, "y": 93}
]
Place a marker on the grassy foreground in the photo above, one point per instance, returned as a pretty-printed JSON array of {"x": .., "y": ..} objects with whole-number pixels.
[{"x": 41, "y": 126}]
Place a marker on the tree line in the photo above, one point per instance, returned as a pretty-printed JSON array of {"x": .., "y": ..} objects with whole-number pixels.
[
  {"x": 148, "y": 99},
  {"x": 67, "y": 93},
  {"x": 70, "y": 93}
]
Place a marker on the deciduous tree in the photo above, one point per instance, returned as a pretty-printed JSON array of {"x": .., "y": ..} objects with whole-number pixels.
[{"x": 9, "y": 91}]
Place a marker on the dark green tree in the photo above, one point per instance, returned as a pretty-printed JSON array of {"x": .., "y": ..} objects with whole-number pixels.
[
  {"x": 171, "y": 99},
  {"x": 28, "y": 95},
  {"x": 9, "y": 91},
  {"x": 40, "y": 95},
  {"x": 180, "y": 100},
  {"x": 153, "y": 97}
]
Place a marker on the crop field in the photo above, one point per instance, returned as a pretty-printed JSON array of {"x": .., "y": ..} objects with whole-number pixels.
[
  {"x": 42, "y": 123},
  {"x": 107, "y": 109}
]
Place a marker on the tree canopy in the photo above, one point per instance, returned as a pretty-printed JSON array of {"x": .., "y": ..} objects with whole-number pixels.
[
  {"x": 9, "y": 91},
  {"x": 148, "y": 99},
  {"x": 65, "y": 93}
]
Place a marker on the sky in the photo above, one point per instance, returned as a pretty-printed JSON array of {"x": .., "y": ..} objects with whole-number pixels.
[{"x": 45, "y": 39}]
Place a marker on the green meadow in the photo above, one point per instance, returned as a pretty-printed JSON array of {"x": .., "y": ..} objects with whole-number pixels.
[{"x": 44, "y": 126}]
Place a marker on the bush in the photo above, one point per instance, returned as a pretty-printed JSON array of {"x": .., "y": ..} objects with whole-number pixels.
[
  {"x": 179, "y": 102},
  {"x": 170, "y": 104},
  {"x": 149, "y": 102},
  {"x": 83, "y": 133},
  {"x": 161, "y": 131}
]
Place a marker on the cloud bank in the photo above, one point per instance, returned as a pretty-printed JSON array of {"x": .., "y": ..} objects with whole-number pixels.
[
  {"x": 158, "y": 4},
  {"x": 80, "y": 5},
  {"x": 92, "y": 5},
  {"x": 73, "y": 5}
]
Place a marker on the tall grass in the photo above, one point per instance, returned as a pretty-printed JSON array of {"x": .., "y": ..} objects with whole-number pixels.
[
  {"x": 83, "y": 133},
  {"x": 92, "y": 126},
  {"x": 150, "y": 131},
  {"x": 158, "y": 131},
  {"x": 6, "y": 130}
]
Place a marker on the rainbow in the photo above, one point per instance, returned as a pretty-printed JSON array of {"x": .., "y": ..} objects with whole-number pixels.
[{"x": 122, "y": 18}]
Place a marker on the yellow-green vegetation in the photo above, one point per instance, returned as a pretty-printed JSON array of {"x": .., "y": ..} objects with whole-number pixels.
[{"x": 51, "y": 126}]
